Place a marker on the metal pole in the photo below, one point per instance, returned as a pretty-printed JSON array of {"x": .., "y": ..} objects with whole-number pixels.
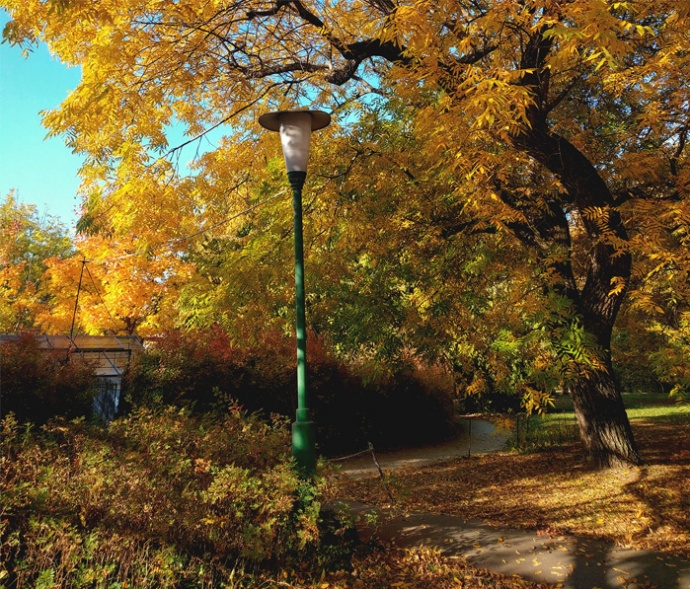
[
  {"x": 303, "y": 438},
  {"x": 469, "y": 441}
]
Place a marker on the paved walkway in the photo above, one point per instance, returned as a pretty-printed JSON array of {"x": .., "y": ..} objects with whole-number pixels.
[
  {"x": 576, "y": 563},
  {"x": 484, "y": 438}
]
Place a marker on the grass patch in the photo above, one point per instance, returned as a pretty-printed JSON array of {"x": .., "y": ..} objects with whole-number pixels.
[
  {"x": 656, "y": 407},
  {"x": 557, "y": 492},
  {"x": 637, "y": 405},
  {"x": 558, "y": 427}
]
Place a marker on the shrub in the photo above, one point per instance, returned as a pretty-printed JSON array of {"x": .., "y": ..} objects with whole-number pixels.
[
  {"x": 159, "y": 499},
  {"x": 38, "y": 384},
  {"x": 206, "y": 370},
  {"x": 407, "y": 407}
]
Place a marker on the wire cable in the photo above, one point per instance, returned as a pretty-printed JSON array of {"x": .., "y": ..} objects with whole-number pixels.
[
  {"x": 101, "y": 297},
  {"x": 76, "y": 301}
]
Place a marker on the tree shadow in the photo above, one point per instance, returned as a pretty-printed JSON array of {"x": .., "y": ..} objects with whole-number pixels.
[
  {"x": 663, "y": 441},
  {"x": 497, "y": 488},
  {"x": 576, "y": 562},
  {"x": 603, "y": 565}
]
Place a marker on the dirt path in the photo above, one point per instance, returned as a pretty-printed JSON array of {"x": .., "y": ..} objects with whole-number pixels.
[{"x": 484, "y": 439}]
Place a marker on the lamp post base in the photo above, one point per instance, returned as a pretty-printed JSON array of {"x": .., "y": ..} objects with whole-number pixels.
[{"x": 303, "y": 440}]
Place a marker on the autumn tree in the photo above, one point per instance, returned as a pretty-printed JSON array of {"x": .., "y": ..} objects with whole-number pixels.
[
  {"x": 110, "y": 287},
  {"x": 560, "y": 125},
  {"x": 28, "y": 244}
]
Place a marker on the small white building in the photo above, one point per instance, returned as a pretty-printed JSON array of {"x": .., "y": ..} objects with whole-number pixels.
[{"x": 108, "y": 354}]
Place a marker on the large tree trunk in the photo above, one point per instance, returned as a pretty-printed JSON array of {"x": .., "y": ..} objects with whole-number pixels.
[
  {"x": 604, "y": 426},
  {"x": 601, "y": 417},
  {"x": 603, "y": 422}
]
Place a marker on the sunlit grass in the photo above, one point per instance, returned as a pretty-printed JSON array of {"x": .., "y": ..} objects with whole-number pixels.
[
  {"x": 652, "y": 406},
  {"x": 655, "y": 406}
]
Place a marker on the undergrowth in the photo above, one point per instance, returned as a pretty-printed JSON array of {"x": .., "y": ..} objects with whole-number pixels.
[
  {"x": 158, "y": 499},
  {"x": 165, "y": 499},
  {"x": 557, "y": 428}
]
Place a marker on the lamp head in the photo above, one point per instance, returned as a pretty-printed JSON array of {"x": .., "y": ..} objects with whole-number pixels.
[{"x": 295, "y": 127}]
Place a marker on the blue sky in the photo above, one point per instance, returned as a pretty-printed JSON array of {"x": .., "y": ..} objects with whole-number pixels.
[{"x": 42, "y": 171}]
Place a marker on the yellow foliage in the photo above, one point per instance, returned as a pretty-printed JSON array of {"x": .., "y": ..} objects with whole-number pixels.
[{"x": 471, "y": 92}]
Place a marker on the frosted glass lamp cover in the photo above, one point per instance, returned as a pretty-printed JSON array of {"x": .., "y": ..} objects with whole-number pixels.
[
  {"x": 295, "y": 129},
  {"x": 295, "y": 133}
]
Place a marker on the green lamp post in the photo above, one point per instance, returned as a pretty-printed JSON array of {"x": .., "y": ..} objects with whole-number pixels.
[{"x": 295, "y": 128}]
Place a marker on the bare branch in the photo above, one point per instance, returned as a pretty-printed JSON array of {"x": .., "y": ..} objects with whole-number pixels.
[
  {"x": 221, "y": 122},
  {"x": 682, "y": 140}
]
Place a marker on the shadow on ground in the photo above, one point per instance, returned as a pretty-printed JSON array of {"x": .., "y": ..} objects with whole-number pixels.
[
  {"x": 577, "y": 563},
  {"x": 462, "y": 486}
]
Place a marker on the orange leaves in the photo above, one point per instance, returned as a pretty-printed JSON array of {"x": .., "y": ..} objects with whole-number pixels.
[
  {"x": 462, "y": 85},
  {"x": 121, "y": 291}
]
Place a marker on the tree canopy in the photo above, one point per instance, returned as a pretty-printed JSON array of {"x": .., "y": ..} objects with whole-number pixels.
[
  {"x": 29, "y": 242},
  {"x": 503, "y": 174}
]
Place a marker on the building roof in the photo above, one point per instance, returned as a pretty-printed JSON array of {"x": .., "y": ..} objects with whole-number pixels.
[
  {"x": 109, "y": 354},
  {"x": 90, "y": 342}
]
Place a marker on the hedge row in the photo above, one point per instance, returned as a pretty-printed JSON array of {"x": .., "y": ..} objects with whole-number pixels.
[
  {"x": 350, "y": 407},
  {"x": 205, "y": 371}
]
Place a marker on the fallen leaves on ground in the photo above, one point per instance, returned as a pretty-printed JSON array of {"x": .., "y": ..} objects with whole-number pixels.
[
  {"x": 556, "y": 492},
  {"x": 419, "y": 568}
]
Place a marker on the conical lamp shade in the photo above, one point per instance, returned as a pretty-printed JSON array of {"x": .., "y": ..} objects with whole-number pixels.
[{"x": 295, "y": 129}]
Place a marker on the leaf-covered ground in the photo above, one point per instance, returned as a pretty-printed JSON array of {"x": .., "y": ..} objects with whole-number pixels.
[
  {"x": 391, "y": 567},
  {"x": 556, "y": 492},
  {"x": 88, "y": 507},
  {"x": 164, "y": 499},
  {"x": 420, "y": 568}
]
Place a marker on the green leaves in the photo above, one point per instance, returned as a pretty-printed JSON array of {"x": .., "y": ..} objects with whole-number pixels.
[{"x": 27, "y": 245}]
